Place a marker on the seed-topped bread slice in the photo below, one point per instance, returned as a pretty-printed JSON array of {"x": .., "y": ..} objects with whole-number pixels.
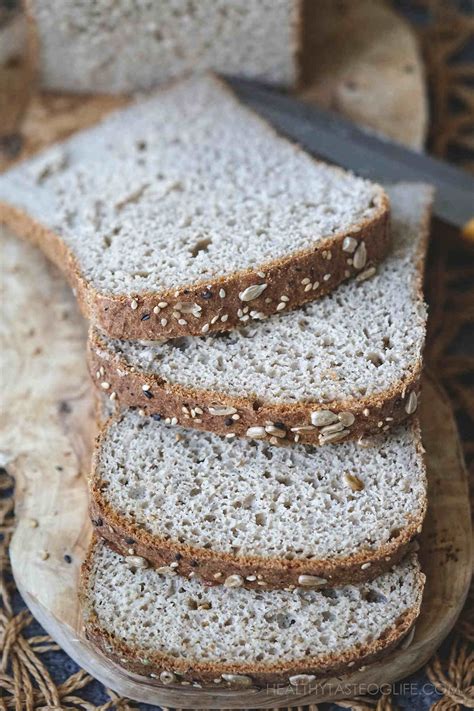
[
  {"x": 344, "y": 366},
  {"x": 178, "y": 630},
  {"x": 90, "y": 46},
  {"x": 175, "y": 215},
  {"x": 242, "y": 513}
]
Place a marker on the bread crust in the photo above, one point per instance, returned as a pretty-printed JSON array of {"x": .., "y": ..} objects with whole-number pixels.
[
  {"x": 175, "y": 403},
  {"x": 133, "y": 316},
  {"x": 259, "y": 673},
  {"x": 257, "y": 572}
]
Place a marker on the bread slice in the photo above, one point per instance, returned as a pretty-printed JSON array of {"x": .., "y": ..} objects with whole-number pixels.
[
  {"x": 339, "y": 368},
  {"x": 179, "y": 631},
  {"x": 173, "y": 216},
  {"x": 242, "y": 513},
  {"x": 137, "y": 45}
]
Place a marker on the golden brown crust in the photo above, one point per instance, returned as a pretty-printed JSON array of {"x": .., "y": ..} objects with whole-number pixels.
[
  {"x": 176, "y": 403},
  {"x": 259, "y": 673},
  {"x": 139, "y": 317},
  {"x": 214, "y": 567}
]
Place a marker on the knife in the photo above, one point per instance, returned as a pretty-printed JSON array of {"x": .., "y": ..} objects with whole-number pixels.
[{"x": 335, "y": 139}]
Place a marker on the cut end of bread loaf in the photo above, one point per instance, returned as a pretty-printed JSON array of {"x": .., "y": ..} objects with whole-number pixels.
[
  {"x": 209, "y": 507},
  {"x": 340, "y": 368},
  {"x": 187, "y": 214},
  {"x": 160, "y": 41},
  {"x": 177, "y": 630}
]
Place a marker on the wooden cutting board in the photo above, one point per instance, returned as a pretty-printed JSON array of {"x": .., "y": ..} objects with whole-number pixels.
[{"x": 46, "y": 433}]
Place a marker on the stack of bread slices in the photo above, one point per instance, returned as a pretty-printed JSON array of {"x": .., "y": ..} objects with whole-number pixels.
[{"x": 257, "y": 327}]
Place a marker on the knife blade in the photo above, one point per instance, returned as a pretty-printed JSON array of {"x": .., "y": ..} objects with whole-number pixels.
[{"x": 335, "y": 139}]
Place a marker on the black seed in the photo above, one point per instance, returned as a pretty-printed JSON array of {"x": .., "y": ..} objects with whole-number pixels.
[
  {"x": 228, "y": 421},
  {"x": 97, "y": 522},
  {"x": 145, "y": 317},
  {"x": 130, "y": 541},
  {"x": 11, "y": 145},
  {"x": 156, "y": 417},
  {"x": 280, "y": 425},
  {"x": 194, "y": 564},
  {"x": 206, "y": 294},
  {"x": 68, "y": 558},
  {"x": 148, "y": 394},
  {"x": 178, "y": 556}
]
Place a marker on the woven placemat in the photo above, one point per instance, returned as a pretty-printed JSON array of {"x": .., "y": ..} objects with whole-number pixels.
[{"x": 35, "y": 674}]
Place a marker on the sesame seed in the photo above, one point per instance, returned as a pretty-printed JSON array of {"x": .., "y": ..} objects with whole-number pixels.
[
  {"x": 156, "y": 310},
  {"x": 308, "y": 287},
  {"x": 163, "y": 304},
  {"x": 141, "y": 413},
  {"x": 176, "y": 314},
  {"x": 240, "y": 313},
  {"x": 364, "y": 566},
  {"x": 236, "y": 417},
  {"x": 281, "y": 306},
  {"x": 224, "y": 317},
  {"x": 305, "y": 281},
  {"x": 33, "y": 523},
  {"x": 326, "y": 277},
  {"x": 245, "y": 318},
  {"x": 198, "y": 410},
  {"x": 222, "y": 293},
  {"x": 182, "y": 322},
  {"x": 105, "y": 385},
  {"x": 284, "y": 298},
  {"x": 366, "y": 412},
  {"x": 174, "y": 421},
  {"x": 268, "y": 300},
  {"x": 44, "y": 555},
  {"x": 164, "y": 322},
  {"x": 205, "y": 328},
  {"x": 97, "y": 375},
  {"x": 214, "y": 319},
  {"x": 231, "y": 435},
  {"x": 145, "y": 387},
  {"x": 134, "y": 304},
  {"x": 261, "y": 275},
  {"x": 315, "y": 285},
  {"x": 113, "y": 395}
]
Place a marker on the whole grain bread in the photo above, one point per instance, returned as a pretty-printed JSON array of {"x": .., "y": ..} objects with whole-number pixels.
[
  {"x": 242, "y": 513},
  {"x": 137, "y": 45},
  {"x": 342, "y": 367},
  {"x": 179, "y": 631},
  {"x": 173, "y": 215}
]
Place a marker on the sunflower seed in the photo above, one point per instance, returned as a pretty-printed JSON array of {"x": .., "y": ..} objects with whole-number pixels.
[
  {"x": 221, "y": 410},
  {"x": 411, "y": 404},
  {"x": 234, "y": 581},
  {"x": 256, "y": 432},
  {"x": 311, "y": 581},
  {"x": 320, "y": 418},
  {"x": 349, "y": 245},
  {"x": 329, "y": 429},
  {"x": 360, "y": 256},
  {"x": 334, "y": 437},
  {"x": 347, "y": 418},
  {"x": 252, "y": 292}
]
